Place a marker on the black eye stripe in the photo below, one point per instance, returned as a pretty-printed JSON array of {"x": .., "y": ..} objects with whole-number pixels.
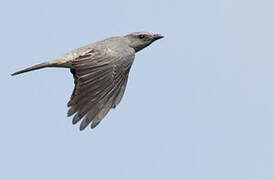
[{"x": 141, "y": 36}]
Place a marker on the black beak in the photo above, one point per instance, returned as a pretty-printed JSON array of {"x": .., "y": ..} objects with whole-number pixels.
[{"x": 157, "y": 36}]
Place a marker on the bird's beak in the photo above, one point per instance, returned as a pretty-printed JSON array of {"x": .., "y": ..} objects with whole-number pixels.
[{"x": 157, "y": 36}]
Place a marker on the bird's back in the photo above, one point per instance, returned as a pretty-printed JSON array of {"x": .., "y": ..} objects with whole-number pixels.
[{"x": 117, "y": 45}]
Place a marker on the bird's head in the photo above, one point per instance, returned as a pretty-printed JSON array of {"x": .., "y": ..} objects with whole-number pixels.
[{"x": 140, "y": 40}]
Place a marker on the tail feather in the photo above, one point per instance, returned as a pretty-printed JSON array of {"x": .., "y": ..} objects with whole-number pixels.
[{"x": 55, "y": 63}]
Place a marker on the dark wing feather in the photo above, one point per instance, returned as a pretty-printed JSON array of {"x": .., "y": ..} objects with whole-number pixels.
[{"x": 100, "y": 82}]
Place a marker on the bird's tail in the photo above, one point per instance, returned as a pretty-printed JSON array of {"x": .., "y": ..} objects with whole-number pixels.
[{"x": 54, "y": 63}]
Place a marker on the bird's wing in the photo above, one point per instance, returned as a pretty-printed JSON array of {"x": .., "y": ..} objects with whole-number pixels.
[{"x": 100, "y": 82}]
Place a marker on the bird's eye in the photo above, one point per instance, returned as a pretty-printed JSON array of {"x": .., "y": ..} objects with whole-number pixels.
[{"x": 141, "y": 36}]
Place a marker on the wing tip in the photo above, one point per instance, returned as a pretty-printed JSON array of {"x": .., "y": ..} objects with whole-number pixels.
[
  {"x": 94, "y": 124},
  {"x": 83, "y": 125}
]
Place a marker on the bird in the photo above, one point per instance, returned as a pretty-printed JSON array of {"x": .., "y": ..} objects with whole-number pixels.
[{"x": 100, "y": 71}]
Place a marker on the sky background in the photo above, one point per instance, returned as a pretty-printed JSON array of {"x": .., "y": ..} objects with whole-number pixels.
[{"x": 199, "y": 104}]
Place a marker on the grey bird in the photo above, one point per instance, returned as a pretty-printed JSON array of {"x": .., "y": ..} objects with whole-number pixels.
[{"x": 100, "y": 72}]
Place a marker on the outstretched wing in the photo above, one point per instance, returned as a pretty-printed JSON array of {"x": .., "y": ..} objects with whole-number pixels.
[{"x": 100, "y": 82}]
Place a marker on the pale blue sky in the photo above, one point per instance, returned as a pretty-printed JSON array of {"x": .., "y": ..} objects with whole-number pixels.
[{"x": 199, "y": 104}]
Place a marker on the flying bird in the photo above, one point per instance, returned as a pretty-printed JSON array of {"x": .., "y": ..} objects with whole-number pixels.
[{"x": 100, "y": 72}]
